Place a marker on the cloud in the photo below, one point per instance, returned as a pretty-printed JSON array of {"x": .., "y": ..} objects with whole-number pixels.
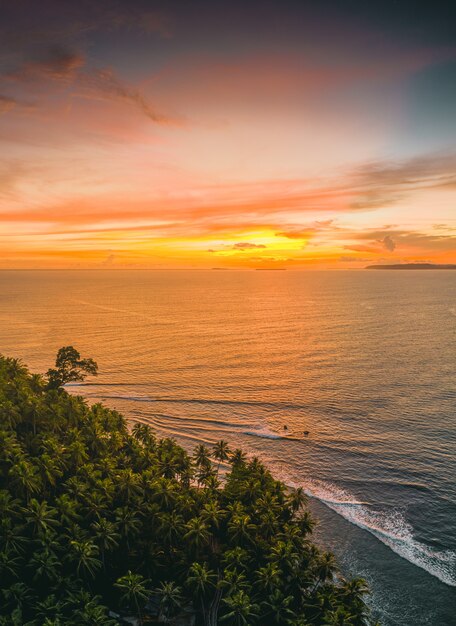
[
  {"x": 245, "y": 245},
  {"x": 62, "y": 66},
  {"x": 354, "y": 259},
  {"x": 6, "y": 104},
  {"x": 109, "y": 260},
  {"x": 406, "y": 239},
  {"x": 384, "y": 183},
  {"x": 295, "y": 234},
  {"x": 57, "y": 63},
  {"x": 388, "y": 243},
  {"x": 103, "y": 84}
]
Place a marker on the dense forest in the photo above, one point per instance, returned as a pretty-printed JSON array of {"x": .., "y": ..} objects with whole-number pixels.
[{"x": 101, "y": 523}]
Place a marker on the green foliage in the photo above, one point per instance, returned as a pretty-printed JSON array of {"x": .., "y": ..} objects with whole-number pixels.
[
  {"x": 95, "y": 515},
  {"x": 69, "y": 367}
]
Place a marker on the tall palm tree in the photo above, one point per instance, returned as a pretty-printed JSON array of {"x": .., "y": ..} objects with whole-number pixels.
[
  {"x": 134, "y": 591},
  {"x": 241, "y": 529},
  {"x": 238, "y": 458},
  {"x": 106, "y": 537},
  {"x": 197, "y": 533},
  {"x": 40, "y": 517},
  {"x": 84, "y": 554},
  {"x": 297, "y": 499},
  {"x": 25, "y": 477},
  {"x": 241, "y": 610},
  {"x": 202, "y": 580},
  {"x": 268, "y": 576},
  {"x": 45, "y": 565},
  {"x": 277, "y": 608},
  {"x": 325, "y": 568},
  {"x": 201, "y": 456},
  {"x": 170, "y": 598},
  {"x": 221, "y": 452}
]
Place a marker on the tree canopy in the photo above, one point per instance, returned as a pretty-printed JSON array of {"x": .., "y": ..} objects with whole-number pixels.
[
  {"x": 69, "y": 367},
  {"x": 97, "y": 515}
]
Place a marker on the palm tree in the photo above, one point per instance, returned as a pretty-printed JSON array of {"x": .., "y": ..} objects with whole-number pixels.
[
  {"x": 277, "y": 607},
  {"x": 325, "y": 568},
  {"x": 297, "y": 499},
  {"x": 17, "y": 595},
  {"x": 128, "y": 522},
  {"x": 133, "y": 588},
  {"x": 338, "y": 617},
  {"x": 201, "y": 579},
  {"x": 45, "y": 565},
  {"x": 221, "y": 452},
  {"x": 268, "y": 576},
  {"x": 25, "y": 477},
  {"x": 171, "y": 527},
  {"x": 240, "y": 528},
  {"x": 40, "y": 517},
  {"x": 68, "y": 509},
  {"x": 197, "y": 532},
  {"x": 201, "y": 456},
  {"x": 212, "y": 513},
  {"x": 49, "y": 609},
  {"x": 84, "y": 554},
  {"x": 238, "y": 458},
  {"x": 10, "y": 564},
  {"x": 128, "y": 484},
  {"x": 170, "y": 598},
  {"x": 237, "y": 558},
  {"x": 106, "y": 537},
  {"x": 11, "y": 537},
  {"x": 233, "y": 581},
  {"x": 241, "y": 610}
]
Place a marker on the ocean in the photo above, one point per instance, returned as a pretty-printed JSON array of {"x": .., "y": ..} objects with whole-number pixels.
[{"x": 363, "y": 362}]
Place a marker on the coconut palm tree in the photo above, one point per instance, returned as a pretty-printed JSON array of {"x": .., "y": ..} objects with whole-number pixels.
[
  {"x": 84, "y": 554},
  {"x": 277, "y": 608},
  {"x": 134, "y": 590},
  {"x": 170, "y": 599},
  {"x": 45, "y": 565},
  {"x": 201, "y": 456},
  {"x": 221, "y": 452},
  {"x": 241, "y": 610},
  {"x": 25, "y": 477},
  {"x": 106, "y": 537},
  {"x": 268, "y": 577},
  {"x": 40, "y": 517},
  {"x": 197, "y": 534},
  {"x": 201, "y": 580}
]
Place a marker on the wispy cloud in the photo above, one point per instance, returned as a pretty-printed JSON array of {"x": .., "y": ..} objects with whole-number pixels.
[{"x": 60, "y": 67}]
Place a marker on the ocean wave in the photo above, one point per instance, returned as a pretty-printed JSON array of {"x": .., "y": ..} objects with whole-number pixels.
[
  {"x": 390, "y": 527},
  {"x": 265, "y": 434},
  {"x": 277, "y": 405}
]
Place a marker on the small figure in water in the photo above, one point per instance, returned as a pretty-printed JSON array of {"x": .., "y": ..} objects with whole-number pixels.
[
  {"x": 285, "y": 427},
  {"x": 306, "y": 432}
]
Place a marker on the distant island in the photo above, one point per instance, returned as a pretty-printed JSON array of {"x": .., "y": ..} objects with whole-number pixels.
[{"x": 412, "y": 266}]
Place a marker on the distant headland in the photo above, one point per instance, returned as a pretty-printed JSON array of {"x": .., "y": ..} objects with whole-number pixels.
[{"x": 412, "y": 266}]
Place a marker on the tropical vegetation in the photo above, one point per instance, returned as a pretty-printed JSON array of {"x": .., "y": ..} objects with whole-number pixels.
[{"x": 100, "y": 518}]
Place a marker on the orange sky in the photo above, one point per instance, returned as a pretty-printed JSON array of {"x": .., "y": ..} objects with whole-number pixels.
[{"x": 154, "y": 139}]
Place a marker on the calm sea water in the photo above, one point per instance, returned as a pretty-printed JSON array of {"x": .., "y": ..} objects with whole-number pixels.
[{"x": 364, "y": 361}]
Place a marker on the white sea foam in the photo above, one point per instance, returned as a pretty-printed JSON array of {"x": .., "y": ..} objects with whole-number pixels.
[
  {"x": 264, "y": 432},
  {"x": 390, "y": 527}
]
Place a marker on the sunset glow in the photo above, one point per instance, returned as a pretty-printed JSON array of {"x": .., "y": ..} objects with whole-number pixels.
[{"x": 169, "y": 135}]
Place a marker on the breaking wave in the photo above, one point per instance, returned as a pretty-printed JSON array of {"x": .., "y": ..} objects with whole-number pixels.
[{"x": 390, "y": 527}]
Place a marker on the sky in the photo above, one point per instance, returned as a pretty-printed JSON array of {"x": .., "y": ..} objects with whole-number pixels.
[{"x": 274, "y": 134}]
